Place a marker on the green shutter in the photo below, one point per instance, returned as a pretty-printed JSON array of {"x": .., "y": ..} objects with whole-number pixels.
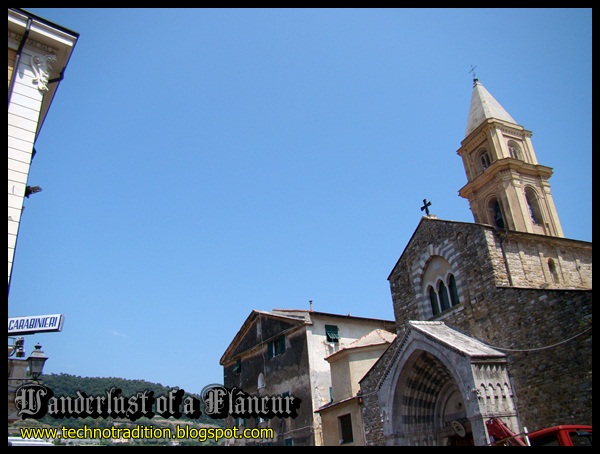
[
  {"x": 276, "y": 346},
  {"x": 238, "y": 366},
  {"x": 331, "y": 333}
]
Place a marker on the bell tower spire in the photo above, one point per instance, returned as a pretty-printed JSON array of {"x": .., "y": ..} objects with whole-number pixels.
[{"x": 506, "y": 187}]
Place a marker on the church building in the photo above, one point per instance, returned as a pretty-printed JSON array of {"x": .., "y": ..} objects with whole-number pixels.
[{"x": 494, "y": 317}]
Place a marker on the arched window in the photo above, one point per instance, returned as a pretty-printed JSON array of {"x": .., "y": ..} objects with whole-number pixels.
[
  {"x": 498, "y": 217},
  {"x": 553, "y": 271},
  {"x": 514, "y": 150},
  {"x": 443, "y": 295},
  {"x": 439, "y": 285},
  {"x": 533, "y": 205},
  {"x": 261, "y": 381},
  {"x": 435, "y": 304},
  {"x": 484, "y": 159},
  {"x": 453, "y": 290}
]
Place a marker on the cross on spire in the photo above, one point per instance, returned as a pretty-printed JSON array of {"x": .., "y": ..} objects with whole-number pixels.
[
  {"x": 473, "y": 71},
  {"x": 426, "y": 206}
]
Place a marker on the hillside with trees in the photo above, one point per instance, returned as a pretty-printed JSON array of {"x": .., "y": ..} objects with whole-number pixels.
[{"x": 69, "y": 385}]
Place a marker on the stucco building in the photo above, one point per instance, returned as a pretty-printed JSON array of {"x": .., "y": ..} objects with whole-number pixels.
[
  {"x": 285, "y": 352},
  {"x": 342, "y": 417}
]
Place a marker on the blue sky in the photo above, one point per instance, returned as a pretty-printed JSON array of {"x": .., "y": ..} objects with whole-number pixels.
[{"x": 198, "y": 164}]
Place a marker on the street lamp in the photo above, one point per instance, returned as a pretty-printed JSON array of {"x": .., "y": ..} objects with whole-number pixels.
[{"x": 36, "y": 362}]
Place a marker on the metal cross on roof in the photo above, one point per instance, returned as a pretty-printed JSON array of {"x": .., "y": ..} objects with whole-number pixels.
[{"x": 426, "y": 206}]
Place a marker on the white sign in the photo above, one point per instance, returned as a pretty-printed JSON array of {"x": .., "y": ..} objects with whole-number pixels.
[{"x": 35, "y": 324}]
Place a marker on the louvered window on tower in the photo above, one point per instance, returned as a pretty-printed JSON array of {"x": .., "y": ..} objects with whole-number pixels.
[
  {"x": 331, "y": 333},
  {"x": 238, "y": 366}
]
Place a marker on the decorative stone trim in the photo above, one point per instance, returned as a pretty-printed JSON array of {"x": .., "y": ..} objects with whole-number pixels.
[
  {"x": 41, "y": 67},
  {"x": 32, "y": 43},
  {"x": 446, "y": 250}
]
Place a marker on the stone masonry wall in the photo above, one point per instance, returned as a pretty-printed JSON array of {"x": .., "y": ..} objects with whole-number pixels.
[{"x": 543, "y": 324}]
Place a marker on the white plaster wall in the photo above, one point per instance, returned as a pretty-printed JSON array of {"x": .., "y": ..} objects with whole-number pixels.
[
  {"x": 23, "y": 118},
  {"x": 349, "y": 330}
]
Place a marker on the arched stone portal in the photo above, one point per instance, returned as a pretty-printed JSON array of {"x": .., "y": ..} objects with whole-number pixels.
[
  {"x": 432, "y": 395},
  {"x": 428, "y": 404}
]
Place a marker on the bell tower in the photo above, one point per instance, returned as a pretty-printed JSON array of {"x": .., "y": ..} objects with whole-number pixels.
[{"x": 506, "y": 187}]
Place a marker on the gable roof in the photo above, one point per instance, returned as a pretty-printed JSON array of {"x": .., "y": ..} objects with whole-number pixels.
[
  {"x": 436, "y": 333},
  {"x": 376, "y": 337},
  {"x": 433, "y": 220},
  {"x": 452, "y": 339},
  {"x": 309, "y": 314},
  {"x": 293, "y": 320}
]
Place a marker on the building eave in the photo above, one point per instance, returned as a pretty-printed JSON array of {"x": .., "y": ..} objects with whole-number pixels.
[{"x": 47, "y": 38}]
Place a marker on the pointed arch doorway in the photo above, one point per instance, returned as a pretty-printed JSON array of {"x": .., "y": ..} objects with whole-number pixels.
[
  {"x": 440, "y": 389},
  {"x": 429, "y": 408}
]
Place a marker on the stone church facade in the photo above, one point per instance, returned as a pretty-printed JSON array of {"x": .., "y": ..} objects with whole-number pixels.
[{"x": 493, "y": 317}]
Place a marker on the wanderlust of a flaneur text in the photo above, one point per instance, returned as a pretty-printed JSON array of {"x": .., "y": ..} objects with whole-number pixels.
[{"x": 34, "y": 400}]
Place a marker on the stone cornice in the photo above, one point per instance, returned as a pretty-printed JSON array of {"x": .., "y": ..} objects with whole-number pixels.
[
  {"x": 478, "y": 136},
  {"x": 502, "y": 166}
]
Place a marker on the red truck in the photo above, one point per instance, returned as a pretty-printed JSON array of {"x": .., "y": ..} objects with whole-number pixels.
[{"x": 563, "y": 435}]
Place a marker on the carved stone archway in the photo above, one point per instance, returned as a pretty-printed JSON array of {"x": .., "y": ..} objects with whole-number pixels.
[{"x": 441, "y": 388}]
